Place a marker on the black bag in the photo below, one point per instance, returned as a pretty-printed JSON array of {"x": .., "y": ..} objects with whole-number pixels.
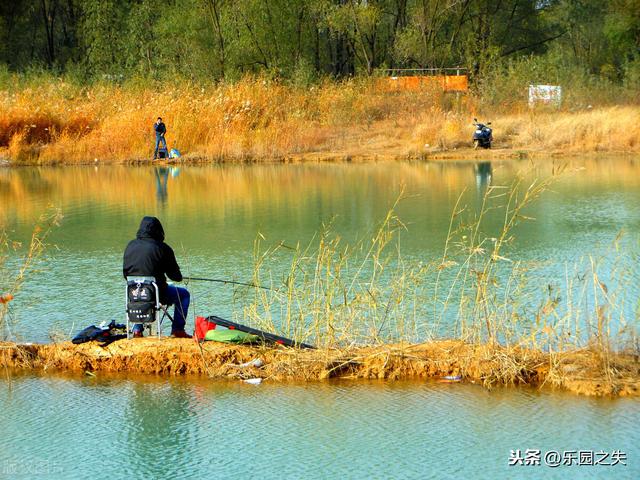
[
  {"x": 89, "y": 334},
  {"x": 113, "y": 332},
  {"x": 141, "y": 305}
]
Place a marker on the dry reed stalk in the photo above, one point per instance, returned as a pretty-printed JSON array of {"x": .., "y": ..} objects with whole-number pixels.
[
  {"x": 12, "y": 277},
  {"x": 344, "y": 296}
]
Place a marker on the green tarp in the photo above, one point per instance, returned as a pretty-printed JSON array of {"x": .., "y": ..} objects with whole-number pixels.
[{"x": 230, "y": 336}]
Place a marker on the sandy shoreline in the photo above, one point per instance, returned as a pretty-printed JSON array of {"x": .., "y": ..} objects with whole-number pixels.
[
  {"x": 467, "y": 155},
  {"x": 582, "y": 372}
]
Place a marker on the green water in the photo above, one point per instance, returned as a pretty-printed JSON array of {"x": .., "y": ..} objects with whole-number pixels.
[
  {"x": 212, "y": 216},
  {"x": 140, "y": 428}
]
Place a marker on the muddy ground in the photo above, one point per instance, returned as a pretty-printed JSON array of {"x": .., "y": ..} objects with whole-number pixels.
[{"x": 584, "y": 372}]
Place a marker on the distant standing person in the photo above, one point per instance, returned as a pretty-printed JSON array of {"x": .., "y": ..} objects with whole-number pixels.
[{"x": 160, "y": 129}]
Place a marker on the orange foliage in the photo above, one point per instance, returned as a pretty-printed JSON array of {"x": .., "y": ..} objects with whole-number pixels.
[{"x": 250, "y": 119}]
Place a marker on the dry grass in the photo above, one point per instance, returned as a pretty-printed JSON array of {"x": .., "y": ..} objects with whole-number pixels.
[
  {"x": 608, "y": 129},
  {"x": 611, "y": 129},
  {"x": 338, "y": 295},
  {"x": 255, "y": 119},
  {"x": 251, "y": 119}
]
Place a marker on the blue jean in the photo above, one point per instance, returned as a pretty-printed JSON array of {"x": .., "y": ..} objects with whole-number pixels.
[
  {"x": 179, "y": 297},
  {"x": 159, "y": 138}
]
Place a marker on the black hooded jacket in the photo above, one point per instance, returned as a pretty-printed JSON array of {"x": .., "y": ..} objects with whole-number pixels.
[{"x": 148, "y": 255}]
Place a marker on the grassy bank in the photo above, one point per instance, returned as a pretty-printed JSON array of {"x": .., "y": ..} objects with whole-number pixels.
[
  {"x": 489, "y": 365},
  {"x": 48, "y": 120}
]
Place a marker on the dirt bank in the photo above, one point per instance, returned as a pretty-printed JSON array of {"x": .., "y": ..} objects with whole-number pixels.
[
  {"x": 584, "y": 372},
  {"x": 356, "y": 151}
]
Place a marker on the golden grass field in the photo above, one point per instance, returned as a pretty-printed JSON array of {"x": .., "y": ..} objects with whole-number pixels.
[{"x": 55, "y": 121}]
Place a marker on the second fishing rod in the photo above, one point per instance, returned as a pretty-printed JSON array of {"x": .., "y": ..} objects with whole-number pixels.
[{"x": 230, "y": 282}]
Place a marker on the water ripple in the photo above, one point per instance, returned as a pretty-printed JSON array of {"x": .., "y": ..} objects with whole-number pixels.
[{"x": 119, "y": 428}]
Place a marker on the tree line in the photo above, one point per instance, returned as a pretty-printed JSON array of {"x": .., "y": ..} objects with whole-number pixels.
[{"x": 307, "y": 39}]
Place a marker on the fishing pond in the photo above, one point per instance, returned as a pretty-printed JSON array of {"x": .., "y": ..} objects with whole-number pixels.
[{"x": 220, "y": 219}]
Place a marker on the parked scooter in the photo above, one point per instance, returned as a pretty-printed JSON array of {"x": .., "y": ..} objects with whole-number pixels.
[{"x": 483, "y": 136}]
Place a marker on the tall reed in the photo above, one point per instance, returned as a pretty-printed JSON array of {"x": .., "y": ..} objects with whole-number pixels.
[
  {"x": 14, "y": 273},
  {"x": 337, "y": 294}
]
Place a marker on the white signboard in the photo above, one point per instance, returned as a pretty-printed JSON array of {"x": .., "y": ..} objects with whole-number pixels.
[{"x": 545, "y": 94}]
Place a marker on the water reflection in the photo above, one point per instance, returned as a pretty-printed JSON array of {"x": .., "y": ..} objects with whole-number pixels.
[
  {"x": 162, "y": 178},
  {"x": 162, "y": 175},
  {"x": 483, "y": 173},
  {"x": 25, "y": 192},
  {"x": 157, "y": 418}
]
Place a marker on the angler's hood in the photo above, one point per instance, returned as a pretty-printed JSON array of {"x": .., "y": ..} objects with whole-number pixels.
[{"x": 150, "y": 227}]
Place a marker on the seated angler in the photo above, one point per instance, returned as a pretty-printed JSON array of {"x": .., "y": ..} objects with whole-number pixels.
[{"x": 148, "y": 255}]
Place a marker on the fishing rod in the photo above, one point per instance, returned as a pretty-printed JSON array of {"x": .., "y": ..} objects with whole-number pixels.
[{"x": 200, "y": 279}]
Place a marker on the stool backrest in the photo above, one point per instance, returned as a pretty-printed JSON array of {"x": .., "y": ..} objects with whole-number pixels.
[{"x": 142, "y": 299}]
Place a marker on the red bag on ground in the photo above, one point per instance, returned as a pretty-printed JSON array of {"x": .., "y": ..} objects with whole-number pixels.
[{"x": 202, "y": 327}]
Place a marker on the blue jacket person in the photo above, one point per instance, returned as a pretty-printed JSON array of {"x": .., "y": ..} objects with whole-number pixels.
[{"x": 160, "y": 129}]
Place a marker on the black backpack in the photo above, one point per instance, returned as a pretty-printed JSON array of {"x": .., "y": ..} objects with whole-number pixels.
[{"x": 141, "y": 302}]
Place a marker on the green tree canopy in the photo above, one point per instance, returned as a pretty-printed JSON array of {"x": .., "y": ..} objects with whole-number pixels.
[{"x": 216, "y": 39}]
